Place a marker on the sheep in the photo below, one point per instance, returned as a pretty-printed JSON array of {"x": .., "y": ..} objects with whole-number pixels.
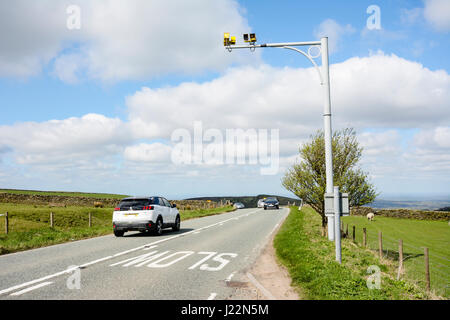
[
  {"x": 370, "y": 216},
  {"x": 98, "y": 204}
]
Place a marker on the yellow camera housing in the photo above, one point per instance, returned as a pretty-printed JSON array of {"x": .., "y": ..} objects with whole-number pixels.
[{"x": 226, "y": 39}]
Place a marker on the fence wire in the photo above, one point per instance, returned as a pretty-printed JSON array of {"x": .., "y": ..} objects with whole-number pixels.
[{"x": 413, "y": 259}]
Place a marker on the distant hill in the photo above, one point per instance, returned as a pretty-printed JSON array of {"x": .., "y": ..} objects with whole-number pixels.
[
  {"x": 64, "y": 193},
  {"x": 249, "y": 201},
  {"x": 418, "y": 205}
]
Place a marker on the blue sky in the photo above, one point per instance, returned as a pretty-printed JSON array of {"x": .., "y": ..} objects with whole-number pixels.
[{"x": 48, "y": 72}]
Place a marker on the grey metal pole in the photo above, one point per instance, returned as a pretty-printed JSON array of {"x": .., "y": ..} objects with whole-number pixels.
[
  {"x": 337, "y": 227},
  {"x": 327, "y": 129}
]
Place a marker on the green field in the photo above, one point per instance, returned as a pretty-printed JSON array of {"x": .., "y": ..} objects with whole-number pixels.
[
  {"x": 310, "y": 260},
  {"x": 416, "y": 234},
  {"x": 29, "y": 225},
  {"x": 64, "y": 193}
]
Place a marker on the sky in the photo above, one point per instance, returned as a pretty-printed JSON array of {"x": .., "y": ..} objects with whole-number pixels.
[{"x": 94, "y": 92}]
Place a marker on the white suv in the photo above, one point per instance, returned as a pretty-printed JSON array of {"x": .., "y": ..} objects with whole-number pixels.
[{"x": 145, "y": 214}]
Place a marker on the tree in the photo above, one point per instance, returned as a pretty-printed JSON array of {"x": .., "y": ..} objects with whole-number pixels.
[{"x": 307, "y": 179}]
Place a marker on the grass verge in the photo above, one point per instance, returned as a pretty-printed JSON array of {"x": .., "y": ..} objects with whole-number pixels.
[
  {"x": 29, "y": 225},
  {"x": 310, "y": 260}
]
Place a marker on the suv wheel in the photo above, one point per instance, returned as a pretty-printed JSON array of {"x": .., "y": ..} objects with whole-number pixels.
[
  {"x": 159, "y": 227},
  {"x": 118, "y": 233},
  {"x": 176, "y": 226}
]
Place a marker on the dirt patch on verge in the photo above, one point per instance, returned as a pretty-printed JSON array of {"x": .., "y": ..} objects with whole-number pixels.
[{"x": 266, "y": 279}]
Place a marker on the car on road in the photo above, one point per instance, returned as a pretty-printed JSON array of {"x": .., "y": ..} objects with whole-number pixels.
[
  {"x": 271, "y": 203},
  {"x": 145, "y": 214},
  {"x": 260, "y": 203},
  {"x": 239, "y": 205}
]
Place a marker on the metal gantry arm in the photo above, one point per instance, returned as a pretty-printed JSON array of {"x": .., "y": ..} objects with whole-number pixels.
[
  {"x": 289, "y": 46},
  {"x": 310, "y": 58}
]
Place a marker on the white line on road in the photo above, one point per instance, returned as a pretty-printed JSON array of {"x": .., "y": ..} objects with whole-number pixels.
[
  {"x": 228, "y": 279},
  {"x": 7, "y": 290},
  {"x": 43, "y": 284},
  {"x": 212, "y": 296}
]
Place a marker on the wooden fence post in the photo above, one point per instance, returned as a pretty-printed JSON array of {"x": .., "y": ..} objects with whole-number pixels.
[
  {"x": 364, "y": 237},
  {"x": 427, "y": 269},
  {"x": 354, "y": 234},
  {"x": 380, "y": 244},
  {"x": 90, "y": 219},
  {"x": 400, "y": 258},
  {"x": 346, "y": 231},
  {"x": 51, "y": 219},
  {"x": 6, "y": 223}
]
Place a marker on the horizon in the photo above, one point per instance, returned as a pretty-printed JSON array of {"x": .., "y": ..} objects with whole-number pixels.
[{"x": 412, "y": 197}]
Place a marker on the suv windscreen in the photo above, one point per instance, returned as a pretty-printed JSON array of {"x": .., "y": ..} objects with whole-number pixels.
[
  {"x": 166, "y": 202},
  {"x": 135, "y": 204}
]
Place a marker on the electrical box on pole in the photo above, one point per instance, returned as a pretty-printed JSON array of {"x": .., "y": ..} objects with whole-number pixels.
[{"x": 329, "y": 204}]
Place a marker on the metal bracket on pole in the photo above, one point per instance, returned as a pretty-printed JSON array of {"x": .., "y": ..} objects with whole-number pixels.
[{"x": 343, "y": 203}]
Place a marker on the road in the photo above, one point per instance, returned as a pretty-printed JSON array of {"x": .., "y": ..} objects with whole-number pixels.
[{"x": 198, "y": 262}]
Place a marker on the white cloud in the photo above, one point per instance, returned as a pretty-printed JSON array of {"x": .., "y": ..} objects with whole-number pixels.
[
  {"x": 380, "y": 143},
  {"x": 434, "y": 138},
  {"x": 144, "y": 152},
  {"x": 379, "y": 92},
  {"x": 334, "y": 31},
  {"x": 160, "y": 37},
  {"x": 437, "y": 13},
  {"x": 66, "y": 141},
  {"x": 411, "y": 16}
]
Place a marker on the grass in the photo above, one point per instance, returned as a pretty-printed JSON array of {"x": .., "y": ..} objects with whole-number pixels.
[
  {"x": 64, "y": 193},
  {"x": 190, "y": 214},
  {"x": 310, "y": 260},
  {"x": 29, "y": 225},
  {"x": 416, "y": 234}
]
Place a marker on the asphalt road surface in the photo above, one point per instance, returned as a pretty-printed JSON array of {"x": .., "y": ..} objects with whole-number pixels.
[{"x": 195, "y": 263}]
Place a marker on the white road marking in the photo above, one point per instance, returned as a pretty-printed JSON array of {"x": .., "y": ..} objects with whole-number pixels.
[
  {"x": 228, "y": 279},
  {"x": 95, "y": 261},
  {"x": 26, "y": 284},
  {"x": 43, "y": 284},
  {"x": 209, "y": 255},
  {"x": 157, "y": 264},
  {"x": 260, "y": 287},
  {"x": 149, "y": 247},
  {"x": 19, "y": 286},
  {"x": 212, "y": 296}
]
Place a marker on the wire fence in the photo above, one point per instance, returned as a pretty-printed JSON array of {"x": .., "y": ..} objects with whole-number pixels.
[{"x": 413, "y": 266}]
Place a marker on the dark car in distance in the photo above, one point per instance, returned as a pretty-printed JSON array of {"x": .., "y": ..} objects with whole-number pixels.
[{"x": 271, "y": 203}]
